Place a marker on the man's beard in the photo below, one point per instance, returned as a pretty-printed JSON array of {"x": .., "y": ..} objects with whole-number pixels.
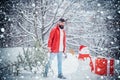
[{"x": 61, "y": 26}]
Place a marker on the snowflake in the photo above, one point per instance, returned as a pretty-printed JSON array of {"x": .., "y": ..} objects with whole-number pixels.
[
  {"x": 98, "y": 69},
  {"x": 98, "y": 35},
  {"x": 0, "y": 60},
  {"x": 101, "y": 77},
  {"x": 2, "y": 36},
  {"x": 36, "y": 12},
  {"x": 119, "y": 12},
  {"x": 8, "y": 54},
  {"x": 38, "y": 63},
  {"x": 101, "y": 49},
  {"x": 101, "y": 12},
  {"x": 55, "y": 4},
  {"x": 119, "y": 77},
  {"x": 118, "y": 29},
  {"x": 87, "y": 77},
  {"x": 117, "y": 47},
  {"x": 5, "y": 18},
  {"x": 37, "y": 77},
  {"x": 22, "y": 12},
  {"x": 9, "y": 19},
  {"x": 117, "y": 61},
  {"x": 98, "y": 4},
  {"x": 33, "y": 5},
  {"x": 2, "y": 30},
  {"x": 6, "y": 45},
  {"x": 17, "y": 4},
  {"x": 22, "y": 76},
  {"x": 112, "y": 42},
  {"x": 109, "y": 17}
]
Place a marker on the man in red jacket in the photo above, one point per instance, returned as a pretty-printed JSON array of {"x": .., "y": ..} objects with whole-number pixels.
[{"x": 56, "y": 47}]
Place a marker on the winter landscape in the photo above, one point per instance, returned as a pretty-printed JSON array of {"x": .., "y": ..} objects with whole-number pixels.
[{"x": 25, "y": 26}]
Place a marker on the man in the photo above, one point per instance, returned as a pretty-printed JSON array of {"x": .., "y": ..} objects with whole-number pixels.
[{"x": 56, "y": 47}]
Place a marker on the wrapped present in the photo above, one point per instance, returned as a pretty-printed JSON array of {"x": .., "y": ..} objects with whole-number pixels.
[
  {"x": 111, "y": 66},
  {"x": 101, "y": 66},
  {"x": 104, "y": 66}
]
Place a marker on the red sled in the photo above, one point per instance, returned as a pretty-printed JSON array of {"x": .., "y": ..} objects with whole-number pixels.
[{"x": 104, "y": 66}]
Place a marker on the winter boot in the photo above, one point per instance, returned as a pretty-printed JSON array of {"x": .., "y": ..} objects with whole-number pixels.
[
  {"x": 44, "y": 74},
  {"x": 61, "y": 76}
]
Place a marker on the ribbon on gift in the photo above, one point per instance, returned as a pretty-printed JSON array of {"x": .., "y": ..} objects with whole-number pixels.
[{"x": 83, "y": 56}]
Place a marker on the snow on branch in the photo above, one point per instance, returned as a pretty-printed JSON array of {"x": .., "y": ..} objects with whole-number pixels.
[{"x": 25, "y": 29}]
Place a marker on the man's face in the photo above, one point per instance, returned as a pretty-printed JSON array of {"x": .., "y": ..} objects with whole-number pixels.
[{"x": 61, "y": 23}]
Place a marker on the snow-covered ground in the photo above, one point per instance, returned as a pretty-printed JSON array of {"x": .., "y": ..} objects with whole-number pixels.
[{"x": 73, "y": 69}]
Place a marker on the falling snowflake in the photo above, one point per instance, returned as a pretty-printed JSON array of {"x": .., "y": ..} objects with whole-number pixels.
[
  {"x": 2, "y": 29},
  {"x": 119, "y": 77},
  {"x": 109, "y": 17},
  {"x": 117, "y": 61},
  {"x": 101, "y": 12},
  {"x": 33, "y": 5},
  {"x": 6, "y": 45},
  {"x": 112, "y": 42},
  {"x": 22, "y": 12},
  {"x": 9, "y": 19},
  {"x": 2, "y": 36},
  {"x": 118, "y": 29},
  {"x": 87, "y": 77},
  {"x": 36, "y": 77},
  {"x": 102, "y": 77},
  {"x": 8, "y": 54},
  {"x": 119, "y": 12},
  {"x": 0, "y": 60},
  {"x": 22, "y": 77},
  {"x": 98, "y": 4}
]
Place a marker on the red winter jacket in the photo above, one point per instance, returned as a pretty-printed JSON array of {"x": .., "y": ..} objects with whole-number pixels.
[{"x": 54, "y": 39}]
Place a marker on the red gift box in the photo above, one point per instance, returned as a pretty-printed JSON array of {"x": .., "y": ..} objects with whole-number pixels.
[
  {"x": 104, "y": 66},
  {"x": 112, "y": 62}
]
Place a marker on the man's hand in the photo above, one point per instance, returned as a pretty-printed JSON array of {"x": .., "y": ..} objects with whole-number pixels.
[{"x": 65, "y": 55}]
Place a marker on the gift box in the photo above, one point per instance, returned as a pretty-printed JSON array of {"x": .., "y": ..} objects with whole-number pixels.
[
  {"x": 111, "y": 65},
  {"x": 104, "y": 66}
]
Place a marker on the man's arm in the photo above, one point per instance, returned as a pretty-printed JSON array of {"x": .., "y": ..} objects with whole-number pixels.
[
  {"x": 51, "y": 36},
  {"x": 65, "y": 45}
]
